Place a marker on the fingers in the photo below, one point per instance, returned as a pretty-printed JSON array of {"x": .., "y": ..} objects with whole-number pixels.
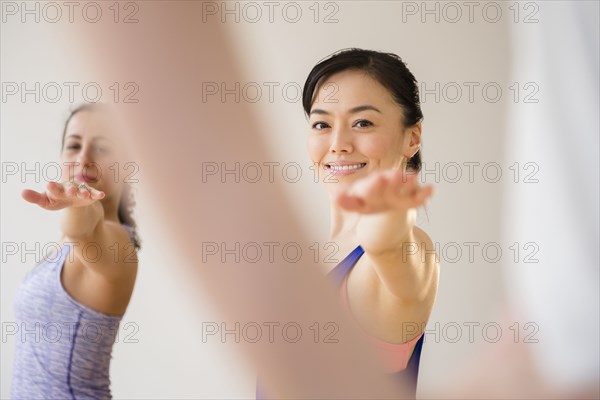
[
  {"x": 420, "y": 196},
  {"x": 68, "y": 191},
  {"x": 385, "y": 191},
  {"x": 55, "y": 189},
  {"x": 350, "y": 203},
  {"x": 412, "y": 196},
  {"x": 365, "y": 196},
  {"x": 86, "y": 192},
  {"x": 425, "y": 193},
  {"x": 372, "y": 186},
  {"x": 83, "y": 192},
  {"x": 75, "y": 189},
  {"x": 34, "y": 197},
  {"x": 61, "y": 195},
  {"x": 96, "y": 194},
  {"x": 402, "y": 184}
]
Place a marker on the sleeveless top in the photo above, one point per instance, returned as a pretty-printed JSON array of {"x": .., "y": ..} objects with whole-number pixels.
[
  {"x": 396, "y": 358},
  {"x": 63, "y": 348}
]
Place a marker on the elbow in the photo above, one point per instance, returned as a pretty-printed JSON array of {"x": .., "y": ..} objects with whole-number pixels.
[{"x": 410, "y": 295}]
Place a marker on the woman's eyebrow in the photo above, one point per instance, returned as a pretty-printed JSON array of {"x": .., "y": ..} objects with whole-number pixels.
[
  {"x": 318, "y": 111},
  {"x": 353, "y": 110},
  {"x": 363, "y": 108},
  {"x": 95, "y": 138}
]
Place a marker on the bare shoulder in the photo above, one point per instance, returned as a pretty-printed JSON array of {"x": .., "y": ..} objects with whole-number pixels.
[
  {"x": 425, "y": 246},
  {"x": 422, "y": 238},
  {"x": 117, "y": 252},
  {"x": 120, "y": 238},
  {"x": 103, "y": 276},
  {"x": 425, "y": 240},
  {"x": 116, "y": 232}
]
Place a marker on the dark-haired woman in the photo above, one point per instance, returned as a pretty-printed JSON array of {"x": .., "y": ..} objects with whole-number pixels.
[
  {"x": 72, "y": 303},
  {"x": 364, "y": 138}
]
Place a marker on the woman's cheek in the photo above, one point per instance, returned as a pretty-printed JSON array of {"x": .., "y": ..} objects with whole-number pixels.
[
  {"x": 379, "y": 150},
  {"x": 67, "y": 169},
  {"x": 108, "y": 174},
  {"x": 317, "y": 149},
  {"x": 374, "y": 147}
]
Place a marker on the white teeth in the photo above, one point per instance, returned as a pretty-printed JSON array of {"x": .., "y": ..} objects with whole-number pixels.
[{"x": 346, "y": 167}]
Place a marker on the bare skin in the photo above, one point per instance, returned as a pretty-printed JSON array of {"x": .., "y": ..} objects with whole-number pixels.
[
  {"x": 392, "y": 288},
  {"x": 103, "y": 275}
]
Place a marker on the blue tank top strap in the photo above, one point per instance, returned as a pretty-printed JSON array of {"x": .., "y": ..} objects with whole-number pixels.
[
  {"x": 407, "y": 376},
  {"x": 341, "y": 270}
]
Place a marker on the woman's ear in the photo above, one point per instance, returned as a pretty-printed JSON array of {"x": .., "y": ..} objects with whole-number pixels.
[{"x": 413, "y": 140}]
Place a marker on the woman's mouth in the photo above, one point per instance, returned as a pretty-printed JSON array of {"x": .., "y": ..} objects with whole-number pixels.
[
  {"x": 343, "y": 168},
  {"x": 85, "y": 178}
]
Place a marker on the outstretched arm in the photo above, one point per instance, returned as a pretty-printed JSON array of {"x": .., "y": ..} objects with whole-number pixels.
[
  {"x": 83, "y": 223},
  {"x": 402, "y": 254}
]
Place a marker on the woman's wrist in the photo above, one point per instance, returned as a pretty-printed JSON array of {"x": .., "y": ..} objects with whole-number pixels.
[
  {"x": 387, "y": 231},
  {"x": 81, "y": 221}
]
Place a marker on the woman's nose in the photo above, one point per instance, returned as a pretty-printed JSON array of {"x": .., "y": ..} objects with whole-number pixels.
[
  {"x": 341, "y": 141},
  {"x": 85, "y": 156}
]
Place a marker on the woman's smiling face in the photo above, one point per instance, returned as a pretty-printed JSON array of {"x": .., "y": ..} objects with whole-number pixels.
[{"x": 357, "y": 128}]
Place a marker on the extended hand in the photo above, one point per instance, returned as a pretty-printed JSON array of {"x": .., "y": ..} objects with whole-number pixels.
[
  {"x": 62, "y": 195},
  {"x": 390, "y": 190}
]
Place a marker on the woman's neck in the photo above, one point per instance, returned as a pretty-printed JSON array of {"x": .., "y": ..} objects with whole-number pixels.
[
  {"x": 342, "y": 223},
  {"x": 111, "y": 212}
]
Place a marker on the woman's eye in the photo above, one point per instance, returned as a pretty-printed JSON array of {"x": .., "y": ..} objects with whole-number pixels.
[
  {"x": 320, "y": 125},
  {"x": 101, "y": 150},
  {"x": 363, "y": 123},
  {"x": 73, "y": 147}
]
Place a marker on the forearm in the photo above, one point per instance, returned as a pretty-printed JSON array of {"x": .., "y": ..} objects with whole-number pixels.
[
  {"x": 81, "y": 222},
  {"x": 402, "y": 255},
  {"x": 385, "y": 232}
]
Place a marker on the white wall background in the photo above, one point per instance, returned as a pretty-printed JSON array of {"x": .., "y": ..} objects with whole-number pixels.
[{"x": 164, "y": 305}]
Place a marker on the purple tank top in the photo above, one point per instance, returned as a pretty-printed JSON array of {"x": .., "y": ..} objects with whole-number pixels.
[{"x": 63, "y": 348}]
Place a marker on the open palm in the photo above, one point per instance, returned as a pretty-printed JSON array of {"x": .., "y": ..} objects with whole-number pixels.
[
  {"x": 390, "y": 190},
  {"x": 62, "y": 195}
]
